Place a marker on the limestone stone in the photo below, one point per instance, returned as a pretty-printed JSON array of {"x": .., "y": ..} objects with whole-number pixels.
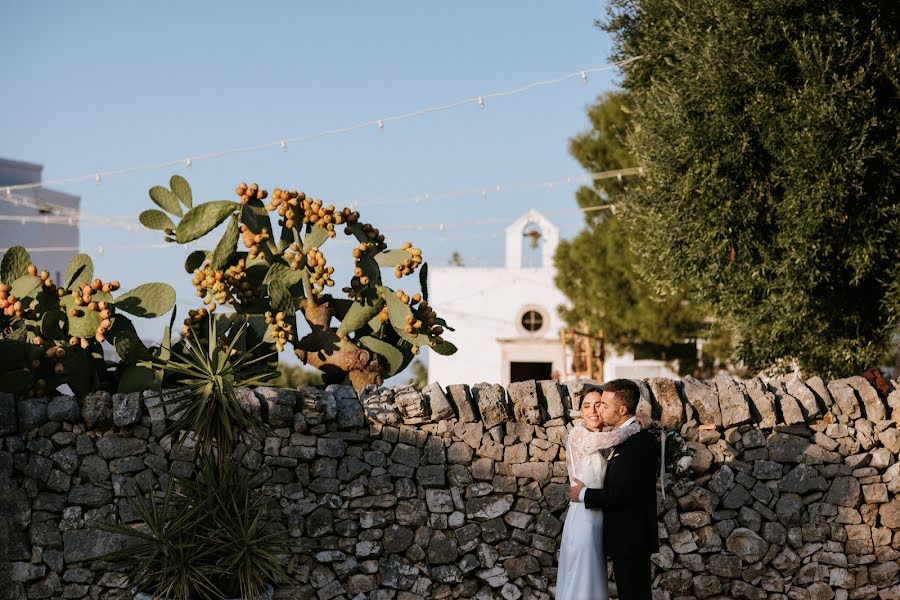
[
  {"x": 491, "y": 401},
  {"x": 488, "y": 507},
  {"x": 804, "y": 395},
  {"x": 875, "y": 410},
  {"x": 845, "y": 398},
  {"x": 789, "y": 406},
  {"x": 553, "y": 397},
  {"x": 116, "y": 447},
  {"x": 732, "y": 401},
  {"x": 844, "y": 491},
  {"x": 803, "y": 479},
  {"x": 763, "y": 401},
  {"x": 411, "y": 404},
  {"x": 126, "y": 409},
  {"x": 666, "y": 394},
  {"x": 889, "y": 514},
  {"x": 438, "y": 405},
  {"x": 705, "y": 400},
  {"x": 348, "y": 409},
  {"x": 524, "y": 398},
  {"x": 64, "y": 408},
  {"x": 462, "y": 400},
  {"x": 746, "y": 544},
  {"x": 96, "y": 410},
  {"x": 377, "y": 404},
  {"x": 31, "y": 413}
]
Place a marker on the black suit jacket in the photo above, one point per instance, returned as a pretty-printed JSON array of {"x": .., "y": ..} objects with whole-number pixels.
[{"x": 628, "y": 498}]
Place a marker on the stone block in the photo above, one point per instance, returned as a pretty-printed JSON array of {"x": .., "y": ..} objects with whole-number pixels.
[
  {"x": 438, "y": 404},
  {"x": 462, "y": 400},
  {"x": 492, "y": 404},
  {"x": 126, "y": 409},
  {"x": 96, "y": 410},
  {"x": 732, "y": 401},
  {"x": 524, "y": 398}
]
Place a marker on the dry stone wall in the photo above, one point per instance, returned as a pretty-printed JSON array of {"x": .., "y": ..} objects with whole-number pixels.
[{"x": 460, "y": 492}]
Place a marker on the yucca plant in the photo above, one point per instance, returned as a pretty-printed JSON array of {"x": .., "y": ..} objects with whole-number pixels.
[
  {"x": 205, "y": 370},
  {"x": 204, "y": 539}
]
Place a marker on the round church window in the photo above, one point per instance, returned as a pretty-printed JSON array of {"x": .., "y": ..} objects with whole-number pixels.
[{"x": 532, "y": 321}]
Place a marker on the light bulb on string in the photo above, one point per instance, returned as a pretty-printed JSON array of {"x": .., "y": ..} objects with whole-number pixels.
[
  {"x": 481, "y": 102},
  {"x": 284, "y": 145},
  {"x": 584, "y": 77},
  {"x": 97, "y": 178},
  {"x": 380, "y": 124},
  {"x": 188, "y": 162}
]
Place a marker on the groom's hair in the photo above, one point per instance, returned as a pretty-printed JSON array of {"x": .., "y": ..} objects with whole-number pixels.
[{"x": 626, "y": 391}]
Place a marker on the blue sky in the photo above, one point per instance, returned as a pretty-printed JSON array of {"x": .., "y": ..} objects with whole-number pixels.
[{"x": 104, "y": 85}]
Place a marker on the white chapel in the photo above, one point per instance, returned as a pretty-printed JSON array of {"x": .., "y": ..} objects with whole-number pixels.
[{"x": 507, "y": 325}]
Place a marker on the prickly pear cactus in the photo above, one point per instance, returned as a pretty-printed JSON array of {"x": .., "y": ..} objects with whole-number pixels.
[
  {"x": 279, "y": 279},
  {"x": 52, "y": 333}
]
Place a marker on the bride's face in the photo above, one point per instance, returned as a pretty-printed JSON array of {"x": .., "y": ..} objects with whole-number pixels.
[{"x": 590, "y": 411}]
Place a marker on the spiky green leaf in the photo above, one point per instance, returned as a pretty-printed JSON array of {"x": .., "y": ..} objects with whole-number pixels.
[
  {"x": 147, "y": 300},
  {"x": 202, "y": 219},
  {"x": 182, "y": 190},
  {"x": 156, "y": 220},
  {"x": 391, "y": 354},
  {"x": 14, "y": 264},
  {"x": 80, "y": 270},
  {"x": 226, "y": 246},
  {"x": 166, "y": 200}
]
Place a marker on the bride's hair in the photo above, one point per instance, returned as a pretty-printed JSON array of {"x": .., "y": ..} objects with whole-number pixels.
[{"x": 626, "y": 391}]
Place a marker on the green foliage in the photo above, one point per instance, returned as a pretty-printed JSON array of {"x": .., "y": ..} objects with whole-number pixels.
[
  {"x": 280, "y": 280},
  {"x": 205, "y": 370},
  {"x": 54, "y": 334},
  {"x": 206, "y": 539},
  {"x": 768, "y": 132},
  {"x": 597, "y": 270},
  {"x": 419, "y": 377},
  {"x": 296, "y": 376}
]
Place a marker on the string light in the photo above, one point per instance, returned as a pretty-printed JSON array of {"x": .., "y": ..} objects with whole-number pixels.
[
  {"x": 65, "y": 215},
  {"x": 480, "y": 100}
]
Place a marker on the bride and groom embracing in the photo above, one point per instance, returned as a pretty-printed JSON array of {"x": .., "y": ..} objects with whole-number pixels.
[{"x": 613, "y": 495}]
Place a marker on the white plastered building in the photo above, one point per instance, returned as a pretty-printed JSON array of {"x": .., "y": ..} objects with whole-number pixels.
[{"x": 506, "y": 319}]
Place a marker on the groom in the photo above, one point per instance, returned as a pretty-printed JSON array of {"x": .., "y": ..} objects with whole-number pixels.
[{"x": 628, "y": 497}]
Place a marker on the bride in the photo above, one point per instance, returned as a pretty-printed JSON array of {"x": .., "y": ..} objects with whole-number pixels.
[{"x": 582, "y": 571}]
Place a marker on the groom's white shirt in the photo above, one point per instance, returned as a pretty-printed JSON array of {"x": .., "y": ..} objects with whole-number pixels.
[{"x": 583, "y": 490}]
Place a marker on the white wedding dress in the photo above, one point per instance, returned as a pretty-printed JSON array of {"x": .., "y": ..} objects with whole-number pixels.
[{"x": 582, "y": 571}]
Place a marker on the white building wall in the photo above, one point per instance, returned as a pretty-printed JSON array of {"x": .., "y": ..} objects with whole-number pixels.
[
  {"x": 484, "y": 305},
  {"x": 35, "y": 235}
]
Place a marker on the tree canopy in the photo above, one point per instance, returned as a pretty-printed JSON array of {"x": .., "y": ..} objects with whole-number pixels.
[
  {"x": 768, "y": 132},
  {"x": 597, "y": 270}
]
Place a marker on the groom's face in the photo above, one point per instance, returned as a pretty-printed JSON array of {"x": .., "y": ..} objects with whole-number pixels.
[{"x": 611, "y": 409}]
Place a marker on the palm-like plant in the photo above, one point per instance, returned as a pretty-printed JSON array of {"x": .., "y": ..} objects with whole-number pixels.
[
  {"x": 203, "y": 539},
  {"x": 207, "y": 371},
  {"x": 206, "y": 538}
]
